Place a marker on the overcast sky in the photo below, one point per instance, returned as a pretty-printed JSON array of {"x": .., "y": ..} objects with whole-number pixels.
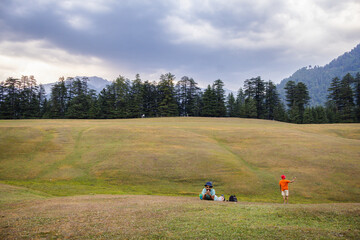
[{"x": 232, "y": 40}]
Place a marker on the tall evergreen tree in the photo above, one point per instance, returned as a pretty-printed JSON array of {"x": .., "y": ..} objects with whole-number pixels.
[
  {"x": 297, "y": 97},
  {"x": 79, "y": 104},
  {"x": 106, "y": 103},
  {"x": 11, "y": 100},
  {"x": 240, "y": 104},
  {"x": 121, "y": 90},
  {"x": 333, "y": 104},
  {"x": 187, "y": 95},
  {"x": 321, "y": 115},
  {"x": 308, "y": 116},
  {"x": 249, "y": 87},
  {"x": 250, "y": 108},
  {"x": 136, "y": 101},
  {"x": 294, "y": 115},
  {"x": 271, "y": 100},
  {"x": 218, "y": 89},
  {"x": 259, "y": 97},
  {"x": 334, "y": 93},
  {"x": 209, "y": 103},
  {"x": 168, "y": 105},
  {"x": 58, "y": 99},
  {"x": 94, "y": 108},
  {"x": 2, "y": 99},
  {"x": 280, "y": 112},
  {"x": 255, "y": 89},
  {"x": 357, "y": 95},
  {"x": 346, "y": 106},
  {"x": 290, "y": 89},
  {"x": 231, "y": 105},
  {"x": 42, "y": 100},
  {"x": 150, "y": 99},
  {"x": 301, "y": 97}
]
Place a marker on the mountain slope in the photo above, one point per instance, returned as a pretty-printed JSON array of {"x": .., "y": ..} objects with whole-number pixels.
[{"x": 318, "y": 79}]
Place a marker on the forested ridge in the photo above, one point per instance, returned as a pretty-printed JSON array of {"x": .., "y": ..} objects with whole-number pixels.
[
  {"x": 318, "y": 79},
  {"x": 124, "y": 98}
]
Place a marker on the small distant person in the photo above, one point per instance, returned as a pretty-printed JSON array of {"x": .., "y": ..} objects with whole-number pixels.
[
  {"x": 208, "y": 193},
  {"x": 284, "y": 188}
]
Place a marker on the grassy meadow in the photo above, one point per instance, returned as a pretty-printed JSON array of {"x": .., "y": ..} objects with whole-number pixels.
[
  {"x": 140, "y": 179},
  {"x": 176, "y": 156},
  {"x": 169, "y": 217}
]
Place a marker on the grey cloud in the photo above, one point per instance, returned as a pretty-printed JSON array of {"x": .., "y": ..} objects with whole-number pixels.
[{"x": 133, "y": 33}]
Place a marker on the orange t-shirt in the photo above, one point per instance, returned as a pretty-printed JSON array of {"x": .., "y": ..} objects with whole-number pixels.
[{"x": 284, "y": 184}]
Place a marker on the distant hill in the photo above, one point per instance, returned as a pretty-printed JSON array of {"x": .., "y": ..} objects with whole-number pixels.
[
  {"x": 318, "y": 79},
  {"x": 96, "y": 83}
]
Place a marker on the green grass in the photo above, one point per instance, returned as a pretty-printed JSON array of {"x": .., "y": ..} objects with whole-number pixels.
[
  {"x": 46, "y": 164},
  {"x": 161, "y": 217},
  {"x": 12, "y": 194},
  {"x": 176, "y": 156}
]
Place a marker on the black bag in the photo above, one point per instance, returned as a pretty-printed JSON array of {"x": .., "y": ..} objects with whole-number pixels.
[{"x": 232, "y": 198}]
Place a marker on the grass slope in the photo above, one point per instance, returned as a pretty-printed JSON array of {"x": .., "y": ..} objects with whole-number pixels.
[
  {"x": 175, "y": 156},
  {"x": 158, "y": 217}
]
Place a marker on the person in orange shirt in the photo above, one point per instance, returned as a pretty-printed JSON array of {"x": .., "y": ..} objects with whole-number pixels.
[{"x": 284, "y": 187}]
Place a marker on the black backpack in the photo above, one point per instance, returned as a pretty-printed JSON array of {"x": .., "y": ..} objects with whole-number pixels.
[{"x": 232, "y": 198}]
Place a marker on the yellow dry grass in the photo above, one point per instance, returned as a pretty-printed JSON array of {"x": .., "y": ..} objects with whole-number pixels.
[{"x": 175, "y": 156}]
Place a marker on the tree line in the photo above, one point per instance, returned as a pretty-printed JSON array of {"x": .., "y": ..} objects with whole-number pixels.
[{"x": 123, "y": 98}]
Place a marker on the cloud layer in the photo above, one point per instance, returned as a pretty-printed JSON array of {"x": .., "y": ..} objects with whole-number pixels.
[{"x": 205, "y": 39}]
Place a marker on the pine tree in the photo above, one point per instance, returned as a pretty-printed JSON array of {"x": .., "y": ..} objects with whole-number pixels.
[
  {"x": 187, "y": 95},
  {"x": 255, "y": 88},
  {"x": 106, "y": 103},
  {"x": 209, "y": 103},
  {"x": 321, "y": 115},
  {"x": 34, "y": 108},
  {"x": 332, "y": 113},
  {"x": 334, "y": 93},
  {"x": 297, "y": 97},
  {"x": 308, "y": 116},
  {"x": 250, "y": 108},
  {"x": 290, "y": 89},
  {"x": 259, "y": 97},
  {"x": 218, "y": 89},
  {"x": 357, "y": 95},
  {"x": 333, "y": 103},
  {"x": 120, "y": 89},
  {"x": 58, "y": 99},
  {"x": 94, "y": 109},
  {"x": 42, "y": 101},
  {"x": 271, "y": 100},
  {"x": 301, "y": 97},
  {"x": 136, "y": 101},
  {"x": 294, "y": 115},
  {"x": 79, "y": 104},
  {"x": 168, "y": 105},
  {"x": 198, "y": 104},
  {"x": 346, "y": 106},
  {"x": 231, "y": 105},
  {"x": 194, "y": 99},
  {"x": 150, "y": 99},
  {"x": 11, "y": 104},
  {"x": 280, "y": 112},
  {"x": 2, "y": 99},
  {"x": 240, "y": 104}
]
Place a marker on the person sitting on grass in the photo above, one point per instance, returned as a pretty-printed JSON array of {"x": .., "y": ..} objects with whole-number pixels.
[
  {"x": 208, "y": 193},
  {"x": 284, "y": 187}
]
